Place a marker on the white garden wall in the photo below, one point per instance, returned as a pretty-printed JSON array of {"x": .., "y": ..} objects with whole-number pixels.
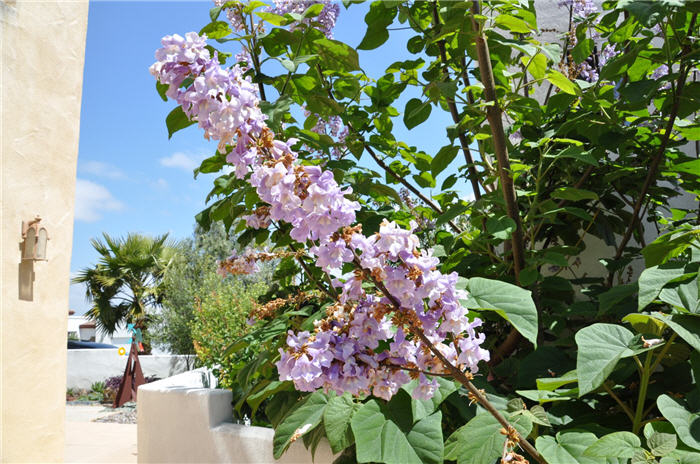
[
  {"x": 181, "y": 420},
  {"x": 86, "y": 366}
]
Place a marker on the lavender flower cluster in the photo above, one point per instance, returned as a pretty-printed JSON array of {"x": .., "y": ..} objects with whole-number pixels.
[
  {"x": 333, "y": 127},
  {"x": 588, "y": 70},
  {"x": 343, "y": 354}
]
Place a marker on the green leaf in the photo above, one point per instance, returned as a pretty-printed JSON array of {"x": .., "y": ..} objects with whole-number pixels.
[
  {"x": 216, "y": 30},
  {"x": 562, "y": 82},
  {"x": 177, "y": 120},
  {"x": 336, "y": 420},
  {"x": 381, "y": 436},
  {"x": 577, "y": 153},
  {"x": 644, "y": 323},
  {"x": 574, "y": 194},
  {"x": 161, "y": 89},
  {"x": 653, "y": 279},
  {"x": 568, "y": 447},
  {"x": 669, "y": 246},
  {"x": 690, "y": 167},
  {"x": 377, "y": 19},
  {"x": 337, "y": 55},
  {"x": 274, "y": 19},
  {"x": 443, "y": 159},
  {"x": 501, "y": 227},
  {"x": 425, "y": 179},
  {"x": 270, "y": 389},
  {"x": 661, "y": 444},
  {"x": 552, "y": 383},
  {"x": 536, "y": 414},
  {"x": 424, "y": 408},
  {"x": 683, "y": 296},
  {"x": 686, "y": 423},
  {"x": 480, "y": 440},
  {"x": 583, "y": 50},
  {"x": 615, "y": 445},
  {"x": 509, "y": 301},
  {"x": 614, "y": 296},
  {"x": 537, "y": 65},
  {"x": 300, "y": 421},
  {"x": 212, "y": 164},
  {"x": 276, "y": 111},
  {"x": 686, "y": 326},
  {"x": 512, "y": 24},
  {"x": 416, "y": 112},
  {"x": 600, "y": 347},
  {"x": 451, "y": 213},
  {"x": 543, "y": 396}
]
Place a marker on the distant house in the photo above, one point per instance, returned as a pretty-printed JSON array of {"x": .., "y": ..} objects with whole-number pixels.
[{"x": 84, "y": 329}]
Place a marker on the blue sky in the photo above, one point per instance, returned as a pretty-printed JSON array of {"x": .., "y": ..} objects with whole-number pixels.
[{"x": 131, "y": 178}]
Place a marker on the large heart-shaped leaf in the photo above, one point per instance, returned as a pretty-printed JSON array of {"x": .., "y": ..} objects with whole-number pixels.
[
  {"x": 615, "y": 445},
  {"x": 480, "y": 440},
  {"x": 423, "y": 408},
  {"x": 568, "y": 447},
  {"x": 686, "y": 326},
  {"x": 686, "y": 423},
  {"x": 509, "y": 301},
  {"x": 600, "y": 347},
  {"x": 385, "y": 435},
  {"x": 301, "y": 420},
  {"x": 416, "y": 112},
  {"x": 652, "y": 280},
  {"x": 684, "y": 296},
  {"x": 336, "y": 420}
]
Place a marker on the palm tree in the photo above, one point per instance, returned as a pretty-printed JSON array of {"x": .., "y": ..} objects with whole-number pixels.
[{"x": 126, "y": 281}]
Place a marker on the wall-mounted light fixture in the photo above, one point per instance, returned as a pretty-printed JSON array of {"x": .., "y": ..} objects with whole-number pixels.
[{"x": 35, "y": 238}]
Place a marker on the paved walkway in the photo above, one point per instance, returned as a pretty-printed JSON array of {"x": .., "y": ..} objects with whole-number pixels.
[{"x": 97, "y": 442}]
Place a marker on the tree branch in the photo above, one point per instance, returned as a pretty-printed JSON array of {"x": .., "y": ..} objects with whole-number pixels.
[
  {"x": 410, "y": 187},
  {"x": 473, "y": 174},
  {"x": 494, "y": 116}
]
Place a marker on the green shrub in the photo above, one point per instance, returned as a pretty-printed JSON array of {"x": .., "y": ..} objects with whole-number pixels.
[{"x": 220, "y": 318}]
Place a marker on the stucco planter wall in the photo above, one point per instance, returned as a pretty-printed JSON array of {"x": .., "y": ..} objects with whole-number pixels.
[{"x": 180, "y": 419}]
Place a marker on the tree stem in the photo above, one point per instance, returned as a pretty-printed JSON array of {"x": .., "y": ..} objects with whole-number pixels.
[
  {"x": 473, "y": 174},
  {"x": 643, "y": 384},
  {"x": 494, "y": 114}
]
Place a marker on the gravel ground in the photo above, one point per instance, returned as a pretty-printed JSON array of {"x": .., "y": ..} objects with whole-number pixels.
[{"x": 122, "y": 417}]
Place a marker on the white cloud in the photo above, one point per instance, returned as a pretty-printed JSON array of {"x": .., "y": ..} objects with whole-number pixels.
[
  {"x": 182, "y": 161},
  {"x": 100, "y": 169},
  {"x": 160, "y": 184},
  {"x": 91, "y": 200}
]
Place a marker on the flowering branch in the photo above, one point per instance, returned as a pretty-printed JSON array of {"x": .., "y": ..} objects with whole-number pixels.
[{"x": 462, "y": 377}]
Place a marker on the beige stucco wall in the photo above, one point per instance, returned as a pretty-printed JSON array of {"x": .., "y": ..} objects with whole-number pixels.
[
  {"x": 182, "y": 420},
  {"x": 43, "y": 50}
]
